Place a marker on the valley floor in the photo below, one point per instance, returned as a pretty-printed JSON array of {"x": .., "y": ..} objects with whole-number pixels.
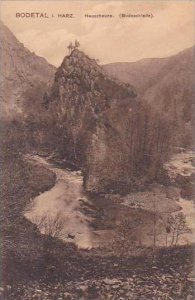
[
  {"x": 63, "y": 272},
  {"x": 92, "y": 220}
]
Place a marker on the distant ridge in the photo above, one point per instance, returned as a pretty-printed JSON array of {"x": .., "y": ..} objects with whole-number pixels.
[{"x": 166, "y": 83}]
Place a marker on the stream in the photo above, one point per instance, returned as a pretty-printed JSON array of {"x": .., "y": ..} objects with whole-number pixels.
[
  {"x": 67, "y": 198},
  {"x": 64, "y": 199}
]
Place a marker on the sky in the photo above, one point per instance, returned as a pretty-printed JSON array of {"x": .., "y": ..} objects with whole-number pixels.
[{"x": 116, "y": 39}]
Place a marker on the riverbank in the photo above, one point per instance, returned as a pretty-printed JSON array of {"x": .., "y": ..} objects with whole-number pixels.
[
  {"x": 61, "y": 271},
  {"x": 92, "y": 220},
  {"x": 21, "y": 181}
]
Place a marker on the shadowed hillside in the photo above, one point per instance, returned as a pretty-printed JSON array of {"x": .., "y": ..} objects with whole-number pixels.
[
  {"x": 22, "y": 74},
  {"x": 166, "y": 83}
]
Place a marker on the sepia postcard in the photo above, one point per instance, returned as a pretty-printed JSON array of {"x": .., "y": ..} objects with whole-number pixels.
[{"x": 97, "y": 160}]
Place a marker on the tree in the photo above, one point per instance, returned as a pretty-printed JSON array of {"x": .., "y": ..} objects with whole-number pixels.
[
  {"x": 175, "y": 227},
  {"x": 52, "y": 226},
  {"x": 76, "y": 44},
  {"x": 156, "y": 230},
  {"x": 70, "y": 47},
  {"x": 125, "y": 240},
  {"x": 154, "y": 222}
]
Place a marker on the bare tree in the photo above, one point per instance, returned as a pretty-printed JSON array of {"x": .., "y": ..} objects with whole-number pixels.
[
  {"x": 52, "y": 226},
  {"x": 155, "y": 217},
  {"x": 175, "y": 227},
  {"x": 125, "y": 239},
  {"x": 154, "y": 221}
]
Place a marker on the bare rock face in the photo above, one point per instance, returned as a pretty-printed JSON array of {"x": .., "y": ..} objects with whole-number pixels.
[
  {"x": 22, "y": 72},
  {"x": 94, "y": 110}
]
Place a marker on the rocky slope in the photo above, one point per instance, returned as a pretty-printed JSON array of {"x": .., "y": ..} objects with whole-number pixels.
[
  {"x": 22, "y": 74},
  {"x": 106, "y": 130}
]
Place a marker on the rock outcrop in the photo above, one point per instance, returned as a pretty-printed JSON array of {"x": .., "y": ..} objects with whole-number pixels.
[
  {"x": 105, "y": 127},
  {"x": 93, "y": 109}
]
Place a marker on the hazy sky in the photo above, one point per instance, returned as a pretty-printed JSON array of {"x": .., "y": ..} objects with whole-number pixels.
[{"x": 110, "y": 40}]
